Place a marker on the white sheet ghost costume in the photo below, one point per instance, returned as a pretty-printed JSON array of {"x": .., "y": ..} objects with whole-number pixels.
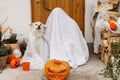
[{"x": 65, "y": 39}]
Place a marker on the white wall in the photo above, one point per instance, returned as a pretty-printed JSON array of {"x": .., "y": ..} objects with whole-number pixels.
[{"x": 19, "y": 15}]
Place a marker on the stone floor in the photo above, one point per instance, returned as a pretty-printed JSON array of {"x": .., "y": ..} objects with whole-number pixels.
[{"x": 89, "y": 71}]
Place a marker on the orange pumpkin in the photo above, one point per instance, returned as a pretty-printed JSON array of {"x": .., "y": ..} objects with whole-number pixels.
[
  {"x": 113, "y": 26},
  {"x": 56, "y": 69},
  {"x": 112, "y": 21},
  {"x": 14, "y": 62}
]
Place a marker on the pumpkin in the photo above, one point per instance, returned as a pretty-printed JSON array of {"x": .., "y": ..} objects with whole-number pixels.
[
  {"x": 113, "y": 26},
  {"x": 14, "y": 62},
  {"x": 112, "y": 21},
  {"x": 56, "y": 69}
]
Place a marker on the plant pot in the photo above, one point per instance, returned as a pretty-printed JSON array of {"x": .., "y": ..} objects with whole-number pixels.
[
  {"x": 9, "y": 57},
  {"x": 3, "y": 62},
  {"x": 12, "y": 46}
]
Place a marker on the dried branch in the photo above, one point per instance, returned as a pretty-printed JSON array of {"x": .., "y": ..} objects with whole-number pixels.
[{"x": 4, "y": 21}]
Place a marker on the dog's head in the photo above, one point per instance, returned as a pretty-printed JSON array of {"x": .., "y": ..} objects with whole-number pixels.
[{"x": 37, "y": 28}]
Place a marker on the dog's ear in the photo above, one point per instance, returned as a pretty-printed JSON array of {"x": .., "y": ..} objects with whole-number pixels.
[{"x": 44, "y": 26}]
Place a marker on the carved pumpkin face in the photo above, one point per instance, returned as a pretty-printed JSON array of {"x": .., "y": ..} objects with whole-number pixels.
[
  {"x": 15, "y": 62},
  {"x": 56, "y": 69}
]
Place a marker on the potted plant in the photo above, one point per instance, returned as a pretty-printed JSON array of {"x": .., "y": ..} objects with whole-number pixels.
[
  {"x": 22, "y": 45},
  {"x": 3, "y": 57},
  {"x": 11, "y": 43},
  {"x": 112, "y": 69},
  {"x": 9, "y": 39}
]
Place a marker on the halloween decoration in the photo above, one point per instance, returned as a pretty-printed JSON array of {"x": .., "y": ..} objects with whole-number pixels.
[
  {"x": 9, "y": 39},
  {"x": 61, "y": 47},
  {"x": 113, "y": 26},
  {"x": 14, "y": 62},
  {"x": 26, "y": 66},
  {"x": 56, "y": 69}
]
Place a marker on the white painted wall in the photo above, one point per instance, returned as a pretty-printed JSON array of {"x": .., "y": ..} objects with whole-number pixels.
[{"x": 19, "y": 15}]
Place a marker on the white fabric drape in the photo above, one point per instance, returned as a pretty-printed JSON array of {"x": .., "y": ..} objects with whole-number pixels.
[
  {"x": 90, "y": 8},
  {"x": 102, "y": 23},
  {"x": 65, "y": 39},
  {"x": 65, "y": 42}
]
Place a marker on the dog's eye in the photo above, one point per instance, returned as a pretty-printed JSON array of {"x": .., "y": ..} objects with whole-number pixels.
[{"x": 36, "y": 24}]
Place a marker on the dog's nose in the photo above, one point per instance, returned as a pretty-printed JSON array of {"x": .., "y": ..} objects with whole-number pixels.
[{"x": 39, "y": 27}]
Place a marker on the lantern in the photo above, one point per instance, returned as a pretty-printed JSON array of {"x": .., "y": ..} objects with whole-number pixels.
[
  {"x": 56, "y": 69},
  {"x": 14, "y": 62}
]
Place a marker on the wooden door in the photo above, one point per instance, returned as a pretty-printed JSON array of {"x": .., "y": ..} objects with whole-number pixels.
[{"x": 74, "y": 8}]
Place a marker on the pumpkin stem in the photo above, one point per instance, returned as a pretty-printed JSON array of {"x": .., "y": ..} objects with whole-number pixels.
[{"x": 57, "y": 62}]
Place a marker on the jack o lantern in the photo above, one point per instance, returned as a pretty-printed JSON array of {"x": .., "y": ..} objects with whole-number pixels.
[
  {"x": 56, "y": 69},
  {"x": 113, "y": 26},
  {"x": 14, "y": 62}
]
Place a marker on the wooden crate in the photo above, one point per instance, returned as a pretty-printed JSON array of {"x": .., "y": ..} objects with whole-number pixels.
[
  {"x": 100, "y": 7},
  {"x": 114, "y": 1},
  {"x": 107, "y": 39}
]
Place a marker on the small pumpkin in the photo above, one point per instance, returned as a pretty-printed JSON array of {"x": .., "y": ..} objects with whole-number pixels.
[
  {"x": 113, "y": 26},
  {"x": 14, "y": 62},
  {"x": 56, "y": 69},
  {"x": 112, "y": 21}
]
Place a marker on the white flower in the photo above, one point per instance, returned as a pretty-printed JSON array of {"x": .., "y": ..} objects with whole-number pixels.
[
  {"x": 112, "y": 59},
  {"x": 6, "y": 36},
  {"x": 17, "y": 53}
]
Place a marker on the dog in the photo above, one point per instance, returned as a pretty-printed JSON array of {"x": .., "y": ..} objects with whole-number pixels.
[
  {"x": 37, "y": 40},
  {"x": 37, "y": 51}
]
